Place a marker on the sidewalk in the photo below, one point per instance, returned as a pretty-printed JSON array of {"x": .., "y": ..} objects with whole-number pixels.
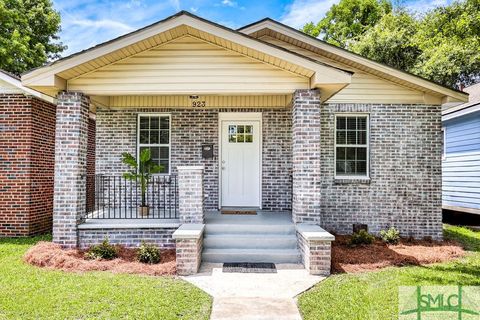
[{"x": 254, "y": 296}]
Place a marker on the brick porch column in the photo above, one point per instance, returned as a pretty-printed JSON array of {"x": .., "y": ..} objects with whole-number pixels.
[
  {"x": 190, "y": 194},
  {"x": 306, "y": 156},
  {"x": 71, "y": 137}
]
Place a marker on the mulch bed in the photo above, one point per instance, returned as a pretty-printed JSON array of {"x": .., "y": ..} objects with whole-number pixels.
[
  {"x": 348, "y": 259},
  {"x": 52, "y": 256}
]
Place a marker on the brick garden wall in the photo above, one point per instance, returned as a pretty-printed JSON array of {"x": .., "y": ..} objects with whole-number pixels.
[
  {"x": 27, "y": 130},
  {"x": 191, "y": 129}
]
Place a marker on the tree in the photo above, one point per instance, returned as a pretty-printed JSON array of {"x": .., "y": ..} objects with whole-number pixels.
[
  {"x": 348, "y": 20},
  {"x": 28, "y": 34},
  {"x": 449, "y": 39},
  {"x": 391, "y": 41}
]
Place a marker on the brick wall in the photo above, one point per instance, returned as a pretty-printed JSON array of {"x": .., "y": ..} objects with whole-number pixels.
[
  {"x": 27, "y": 130},
  {"x": 191, "y": 129},
  {"x": 405, "y": 160}
]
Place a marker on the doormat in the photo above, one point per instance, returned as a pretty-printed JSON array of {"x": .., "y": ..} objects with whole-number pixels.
[
  {"x": 249, "y": 267},
  {"x": 251, "y": 212}
]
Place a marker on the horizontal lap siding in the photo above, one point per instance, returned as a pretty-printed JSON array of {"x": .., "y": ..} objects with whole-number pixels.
[{"x": 461, "y": 166}]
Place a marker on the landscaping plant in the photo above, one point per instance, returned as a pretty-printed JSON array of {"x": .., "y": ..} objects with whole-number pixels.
[
  {"x": 361, "y": 237},
  {"x": 102, "y": 251},
  {"x": 141, "y": 171},
  {"x": 390, "y": 236},
  {"x": 148, "y": 253}
]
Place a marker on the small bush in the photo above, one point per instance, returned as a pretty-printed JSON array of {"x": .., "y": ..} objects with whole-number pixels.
[
  {"x": 361, "y": 237},
  {"x": 390, "y": 236},
  {"x": 148, "y": 253},
  {"x": 102, "y": 251}
]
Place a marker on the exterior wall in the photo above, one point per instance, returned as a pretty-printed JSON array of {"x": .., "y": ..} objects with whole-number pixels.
[
  {"x": 461, "y": 164},
  {"x": 190, "y": 129},
  {"x": 404, "y": 189},
  {"x": 131, "y": 237},
  {"x": 27, "y": 130}
]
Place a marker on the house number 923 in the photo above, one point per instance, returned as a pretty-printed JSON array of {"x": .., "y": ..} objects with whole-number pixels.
[{"x": 199, "y": 104}]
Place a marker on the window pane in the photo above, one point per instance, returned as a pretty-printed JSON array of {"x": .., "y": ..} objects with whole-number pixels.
[
  {"x": 351, "y": 123},
  {"x": 340, "y": 167},
  {"x": 164, "y": 152},
  {"x": 351, "y": 137},
  {"x": 240, "y": 137},
  {"x": 341, "y": 153},
  {"x": 341, "y": 137},
  {"x": 362, "y": 123},
  {"x": 349, "y": 167},
  {"x": 362, "y": 167},
  {"x": 351, "y": 154},
  {"x": 241, "y": 129},
  {"x": 248, "y": 129},
  {"x": 165, "y": 166},
  {"x": 155, "y": 152},
  {"x": 232, "y": 129},
  {"x": 144, "y": 122},
  {"x": 341, "y": 123},
  {"x": 164, "y": 136},
  {"x": 248, "y": 138},
  {"x": 232, "y": 138},
  {"x": 361, "y": 137},
  {"x": 154, "y": 123},
  {"x": 362, "y": 154},
  {"x": 144, "y": 136},
  {"x": 164, "y": 123},
  {"x": 154, "y": 136}
]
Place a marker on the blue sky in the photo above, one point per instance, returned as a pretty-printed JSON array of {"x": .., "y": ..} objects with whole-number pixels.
[{"x": 88, "y": 22}]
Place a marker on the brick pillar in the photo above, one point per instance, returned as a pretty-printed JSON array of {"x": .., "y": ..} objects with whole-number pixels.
[
  {"x": 71, "y": 139},
  {"x": 306, "y": 156},
  {"x": 190, "y": 194}
]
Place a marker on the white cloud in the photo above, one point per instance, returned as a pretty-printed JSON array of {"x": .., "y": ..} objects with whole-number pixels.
[
  {"x": 105, "y": 23},
  {"x": 193, "y": 9},
  {"x": 175, "y": 4},
  {"x": 304, "y": 11},
  {"x": 229, "y": 3}
]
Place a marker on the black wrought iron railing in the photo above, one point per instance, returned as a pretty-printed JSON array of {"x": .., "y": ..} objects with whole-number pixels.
[{"x": 114, "y": 197}]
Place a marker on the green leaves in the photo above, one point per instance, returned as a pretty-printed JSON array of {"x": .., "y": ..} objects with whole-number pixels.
[{"x": 28, "y": 34}]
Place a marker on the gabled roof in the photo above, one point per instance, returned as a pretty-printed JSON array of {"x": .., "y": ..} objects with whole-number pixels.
[
  {"x": 9, "y": 80},
  {"x": 346, "y": 57},
  {"x": 54, "y": 76},
  {"x": 473, "y": 104}
]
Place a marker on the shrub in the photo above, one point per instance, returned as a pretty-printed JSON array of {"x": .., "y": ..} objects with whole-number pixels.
[
  {"x": 361, "y": 237},
  {"x": 391, "y": 236},
  {"x": 148, "y": 253},
  {"x": 102, "y": 251}
]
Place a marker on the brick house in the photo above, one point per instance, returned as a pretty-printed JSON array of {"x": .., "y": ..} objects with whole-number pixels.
[{"x": 263, "y": 119}]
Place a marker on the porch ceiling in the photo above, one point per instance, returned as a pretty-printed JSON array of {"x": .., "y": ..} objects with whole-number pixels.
[{"x": 258, "y": 67}]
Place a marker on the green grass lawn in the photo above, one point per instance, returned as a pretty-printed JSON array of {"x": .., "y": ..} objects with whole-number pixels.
[
  {"x": 374, "y": 295},
  {"x": 27, "y": 292}
]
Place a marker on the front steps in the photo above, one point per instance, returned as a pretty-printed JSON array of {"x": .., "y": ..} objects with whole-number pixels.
[{"x": 266, "y": 237}]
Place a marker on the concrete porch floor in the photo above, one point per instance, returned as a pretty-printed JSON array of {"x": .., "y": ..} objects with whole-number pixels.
[{"x": 262, "y": 217}]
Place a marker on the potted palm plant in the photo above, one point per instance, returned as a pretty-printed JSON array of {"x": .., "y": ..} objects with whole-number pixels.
[{"x": 141, "y": 171}]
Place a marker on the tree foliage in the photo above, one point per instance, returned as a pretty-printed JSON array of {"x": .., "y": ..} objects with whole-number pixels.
[
  {"x": 28, "y": 34},
  {"x": 348, "y": 20},
  {"x": 442, "y": 45}
]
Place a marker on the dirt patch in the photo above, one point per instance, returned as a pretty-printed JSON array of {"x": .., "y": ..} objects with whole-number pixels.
[
  {"x": 50, "y": 255},
  {"x": 347, "y": 259}
]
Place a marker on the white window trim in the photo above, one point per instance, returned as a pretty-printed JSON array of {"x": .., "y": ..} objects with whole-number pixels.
[
  {"x": 169, "y": 145},
  {"x": 347, "y": 177}
]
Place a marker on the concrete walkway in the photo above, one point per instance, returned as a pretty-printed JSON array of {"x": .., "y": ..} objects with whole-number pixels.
[{"x": 254, "y": 296}]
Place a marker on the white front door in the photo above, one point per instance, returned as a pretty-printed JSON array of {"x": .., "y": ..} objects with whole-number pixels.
[{"x": 240, "y": 161}]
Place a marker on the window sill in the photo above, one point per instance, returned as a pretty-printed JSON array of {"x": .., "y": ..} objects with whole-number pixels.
[{"x": 351, "y": 180}]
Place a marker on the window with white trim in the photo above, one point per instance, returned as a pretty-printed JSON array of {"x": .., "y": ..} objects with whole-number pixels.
[
  {"x": 154, "y": 134},
  {"x": 351, "y": 146}
]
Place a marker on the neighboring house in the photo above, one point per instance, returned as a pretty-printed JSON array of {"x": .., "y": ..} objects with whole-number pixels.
[
  {"x": 27, "y": 158},
  {"x": 461, "y": 155},
  {"x": 263, "y": 117}
]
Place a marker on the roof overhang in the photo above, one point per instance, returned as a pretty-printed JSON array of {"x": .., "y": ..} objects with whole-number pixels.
[
  {"x": 55, "y": 77},
  {"x": 274, "y": 28},
  {"x": 16, "y": 83}
]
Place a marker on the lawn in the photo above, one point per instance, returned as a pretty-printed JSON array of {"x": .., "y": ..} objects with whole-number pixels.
[
  {"x": 374, "y": 295},
  {"x": 28, "y": 292}
]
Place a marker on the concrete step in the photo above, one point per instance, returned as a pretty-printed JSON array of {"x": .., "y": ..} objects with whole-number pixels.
[
  {"x": 262, "y": 229},
  {"x": 252, "y": 241},
  {"x": 251, "y": 255}
]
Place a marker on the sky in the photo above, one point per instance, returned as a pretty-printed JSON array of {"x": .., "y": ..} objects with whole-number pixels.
[{"x": 86, "y": 23}]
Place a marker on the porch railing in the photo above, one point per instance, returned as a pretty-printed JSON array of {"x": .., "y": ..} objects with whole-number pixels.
[{"x": 114, "y": 197}]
